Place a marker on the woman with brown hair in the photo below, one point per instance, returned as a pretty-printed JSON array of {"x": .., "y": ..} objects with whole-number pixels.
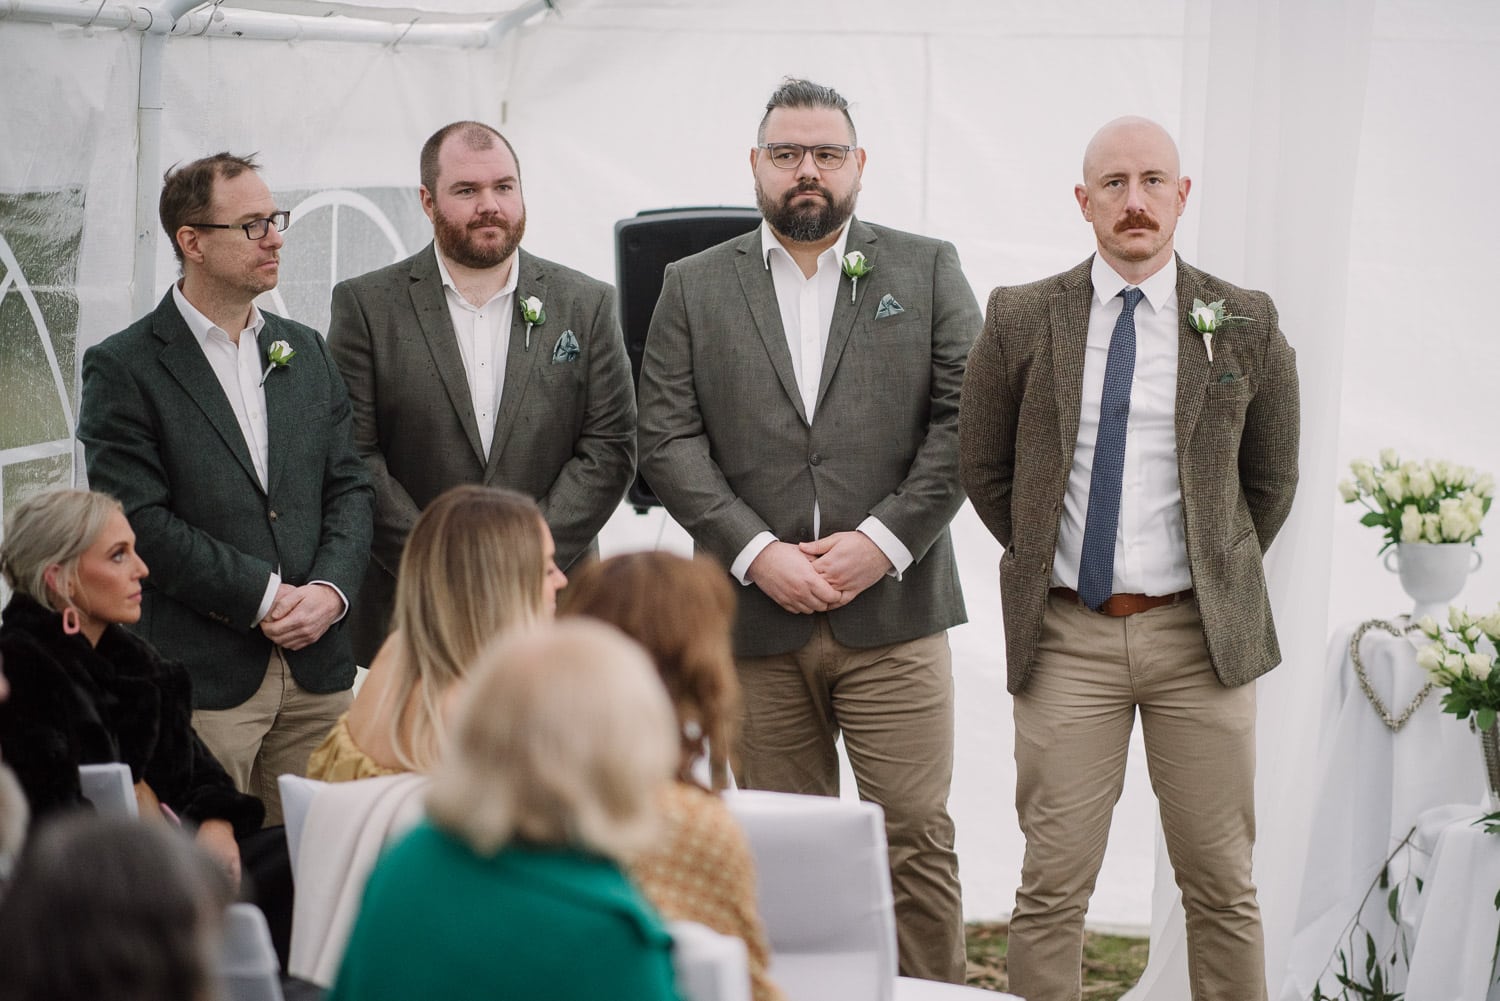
[
  {"x": 478, "y": 563},
  {"x": 681, "y": 611}
]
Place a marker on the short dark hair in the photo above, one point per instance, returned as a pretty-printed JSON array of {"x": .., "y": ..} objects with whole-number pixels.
[
  {"x": 475, "y": 135},
  {"x": 187, "y": 190},
  {"x": 109, "y": 907},
  {"x": 795, "y": 93}
]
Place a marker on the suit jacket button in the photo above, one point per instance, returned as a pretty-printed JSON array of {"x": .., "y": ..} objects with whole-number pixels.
[
  {"x": 815, "y": 458},
  {"x": 273, "y": 515}
]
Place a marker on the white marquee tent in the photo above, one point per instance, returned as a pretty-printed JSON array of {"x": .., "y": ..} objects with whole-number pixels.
[{"x": 1337, "y": 147}]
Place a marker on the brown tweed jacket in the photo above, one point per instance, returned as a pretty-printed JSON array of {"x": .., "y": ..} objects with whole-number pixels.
[{"x": 1237, "y": 435}]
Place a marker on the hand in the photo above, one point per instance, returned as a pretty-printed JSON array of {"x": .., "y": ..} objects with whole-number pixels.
[
  {"x": 788, "y": 578},
  {"x": 849, "y": 561},
  {"x": 216, "y": 837},
  {"x": 301, "y": 615}
]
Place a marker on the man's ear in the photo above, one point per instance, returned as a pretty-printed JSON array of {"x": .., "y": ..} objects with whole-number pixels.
[{"x": 188, "y": 242}]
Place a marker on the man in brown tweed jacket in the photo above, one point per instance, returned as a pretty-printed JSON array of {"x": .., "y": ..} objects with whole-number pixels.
[{"x": 1115, "y": 450}]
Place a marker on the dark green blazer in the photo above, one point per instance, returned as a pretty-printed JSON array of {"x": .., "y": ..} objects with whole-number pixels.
[
  {"x": 726, "y": 444},
  {"x": 159, "y": 434},
  {"x": 1237, "y": 435}
]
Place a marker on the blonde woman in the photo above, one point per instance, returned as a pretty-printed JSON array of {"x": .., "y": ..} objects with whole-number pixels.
[
  {"x": 681, "y": 610},
  {"x": 478, "y": 563},
  {"x": 512, "y": 888}
]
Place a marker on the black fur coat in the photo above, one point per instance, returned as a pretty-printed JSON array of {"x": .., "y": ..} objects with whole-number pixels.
[{"x": 72, "y": 704}]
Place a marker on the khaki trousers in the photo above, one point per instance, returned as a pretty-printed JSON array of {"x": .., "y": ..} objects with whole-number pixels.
[
  {"x": 894, "y": 707},
  {"x": 272, "y": 733},
  {"x": 1073, "y": 722}
]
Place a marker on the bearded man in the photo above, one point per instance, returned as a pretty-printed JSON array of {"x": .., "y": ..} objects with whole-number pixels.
[
  {"x": 799, "y": 417},
  {"x": 475, "y": 362}
]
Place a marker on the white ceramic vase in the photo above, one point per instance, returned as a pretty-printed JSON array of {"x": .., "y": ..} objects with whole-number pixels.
[{"x": 1433, "y": 573}]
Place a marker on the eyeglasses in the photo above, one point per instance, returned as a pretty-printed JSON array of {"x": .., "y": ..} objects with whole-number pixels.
[
  {"x": 255, "y": 229},
  {"x": 788, "y": 156}
]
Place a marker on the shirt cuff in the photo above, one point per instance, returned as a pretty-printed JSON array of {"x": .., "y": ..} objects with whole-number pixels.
[
  {"x": 741, "y": 564},
  {"x": 268, "y": 599},
  {"x": 342, "y": 597},
  {"x": 886, "y": 541}
]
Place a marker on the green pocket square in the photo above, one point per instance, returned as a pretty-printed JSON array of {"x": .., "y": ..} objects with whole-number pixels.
[
  {"x": 888, "y": 307},
  {"x": 1229, "y": 377},
  {"x": 566, "y": 348}
]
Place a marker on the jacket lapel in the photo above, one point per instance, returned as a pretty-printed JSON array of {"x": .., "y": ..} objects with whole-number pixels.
[
  {"x": 848, "y": 308},
  {"x": 1070, "y": 337},
  {"x": 520, "y": 360},
  {"x": 760, "y": 296},
  {"x": 280, "y": 407},
  {"x": 431, "y": 307},
  {"x": 185, "y": 362},
  {"x": 1192, "y": 357}
]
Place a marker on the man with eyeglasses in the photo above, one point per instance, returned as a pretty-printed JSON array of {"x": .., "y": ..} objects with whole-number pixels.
[
  {"x": 474, "y": 361},
  {"x": 799, "y": 417},
  {"x": 226, "y": 433}
]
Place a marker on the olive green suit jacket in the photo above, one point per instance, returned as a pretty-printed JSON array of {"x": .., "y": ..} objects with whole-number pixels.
[
  {"x": 159, "y": 434},
  {"x": 1237, "y": 436},
  {"x": 727, "y": 446}
]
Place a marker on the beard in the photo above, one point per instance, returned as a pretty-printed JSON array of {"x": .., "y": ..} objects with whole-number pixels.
[
  {"x": 807, "y": 223},
  {"x": 457, "y": 242}
]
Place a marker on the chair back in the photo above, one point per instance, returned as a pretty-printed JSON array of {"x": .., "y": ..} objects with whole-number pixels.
[
  {"x": 248, "y": 969},
  {"x": 109, "y": 788},
  {"x": 824, "y": 886},
  {"x": 709, "y": 966},
  {"x": 297, "y": 794}
]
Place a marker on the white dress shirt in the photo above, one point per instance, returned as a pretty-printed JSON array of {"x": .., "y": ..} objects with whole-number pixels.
[
  {"x": 483, "y": 334},
  {"x": 806, "y": 306},
  {"x": 1150, "y": 544},
  {"x": 240, "y": 370}
]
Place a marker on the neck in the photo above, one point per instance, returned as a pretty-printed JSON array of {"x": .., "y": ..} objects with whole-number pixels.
[
  {"x": 479, "y": 285},
  {"x": 230, "y": 312},
  {"x": 806, "y": 254},
  {"x": 1136, "y": 272}
]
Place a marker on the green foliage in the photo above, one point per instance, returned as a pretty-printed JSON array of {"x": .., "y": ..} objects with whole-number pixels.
[{"x": 1373, "y": 981}]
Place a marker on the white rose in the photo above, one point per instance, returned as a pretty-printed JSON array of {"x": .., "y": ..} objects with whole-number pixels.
[
  {"x": 1453, "y": 662},
  {"x": 1458, "y": 618},
  {"x": 1421, "y": 484},
  {"x": 1429, "y": 627},
  {"x": 1490, "y": 625},
  {"x": 1430, "y": 658},
  {"x": 1205, "y": 319},
  {"x": 1411, "y": 524},
  {"x": 1442, "y": 470},
  {"x": 1393, "y": 485},
  {"x": 1484, "y": 485},
  {"x": 1478, "y": 665},
  {"x": 1432, "y": 527},
  {"x": 1472, "y": 633},
  {"x": 1463, "y": 476},
  {"x": 1389, "y": 459},
  {"x": 1454, "y": 519},
  {"x": 1348, "y": 491},
  {"x": 1364, "y": 474}
]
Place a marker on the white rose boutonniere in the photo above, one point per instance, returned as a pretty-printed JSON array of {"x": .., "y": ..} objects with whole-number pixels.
[
  {"x": 534, "y": 314},
  {"x": 856, "y": 266},
  {"x": 1207, "y": 318},
  {"x": 279, "y": 355}
]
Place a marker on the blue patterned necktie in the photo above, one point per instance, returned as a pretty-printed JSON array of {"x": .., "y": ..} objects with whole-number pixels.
[{"x": 1096, "y": 564}]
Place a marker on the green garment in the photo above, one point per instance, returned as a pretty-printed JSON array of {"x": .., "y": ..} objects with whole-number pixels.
[{"x": 531, "y": 922}]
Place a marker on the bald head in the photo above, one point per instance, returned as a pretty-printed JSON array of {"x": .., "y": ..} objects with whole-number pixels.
[
  {"x": 1134, "y": 132},
  {"x": 1132, "y": 194}
]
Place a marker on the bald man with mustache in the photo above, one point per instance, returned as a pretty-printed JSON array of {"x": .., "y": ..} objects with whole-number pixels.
[{"x": 1136, "y": 470}]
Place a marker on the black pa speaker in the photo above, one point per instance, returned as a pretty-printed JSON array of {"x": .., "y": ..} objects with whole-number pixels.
[{"x": 644, "y": 246}]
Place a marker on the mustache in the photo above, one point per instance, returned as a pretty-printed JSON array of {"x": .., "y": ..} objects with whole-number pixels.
[
  {"x": 804, "y": 187},
  {"x": 1137, "y": 220},
  {"x": 489, "y": 220}
]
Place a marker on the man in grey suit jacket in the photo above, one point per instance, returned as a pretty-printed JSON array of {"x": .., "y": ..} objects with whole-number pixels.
[
  {"x": 1135, "y": 469},
  {"x": 225, "y": 432},
  {"x": 454, "y": 381},
  {"x": 799, "y": 419}
]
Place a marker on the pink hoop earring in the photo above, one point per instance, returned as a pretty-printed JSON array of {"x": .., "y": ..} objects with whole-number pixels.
[{"x": 70, "y": 621}]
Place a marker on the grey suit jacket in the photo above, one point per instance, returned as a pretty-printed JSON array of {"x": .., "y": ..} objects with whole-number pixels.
[
  {"x": 159, "y": 434},
  {"x": 565, "y": 433},
  {"x": 1237, "y": 433},
  {"x": 726, "y": 445}
]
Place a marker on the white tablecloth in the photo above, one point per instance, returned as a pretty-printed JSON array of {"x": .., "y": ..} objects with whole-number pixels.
[
  {"x": 1453, "y": 953},
  {"x": 1373, "y": 785}
]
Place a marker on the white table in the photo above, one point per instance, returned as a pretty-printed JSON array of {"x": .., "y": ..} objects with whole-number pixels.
[
  {"x": 1456, "y": 922},
  {"x": 1373, "y": 784}
]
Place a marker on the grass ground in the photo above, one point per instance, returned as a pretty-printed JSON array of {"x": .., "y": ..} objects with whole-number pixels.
[{"x": 1111, "y": 964}]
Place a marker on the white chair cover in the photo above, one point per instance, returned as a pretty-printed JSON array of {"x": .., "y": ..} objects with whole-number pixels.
[
  {"x": 248, "y": 969},
  {"x": 109, "y": 788},
  {"x": 709, "y": 966}
]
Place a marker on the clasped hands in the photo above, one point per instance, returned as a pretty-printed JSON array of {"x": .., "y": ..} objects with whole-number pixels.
[
  {"x": 301, "y": 615},
  {"x": 821, "y": 575}
]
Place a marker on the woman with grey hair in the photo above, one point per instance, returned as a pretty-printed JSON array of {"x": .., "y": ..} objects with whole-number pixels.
[
  {"x": 513, "y": 888},
  {"x": 86, "y": 691}
]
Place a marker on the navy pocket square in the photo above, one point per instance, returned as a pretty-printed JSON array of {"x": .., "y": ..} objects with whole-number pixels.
[
  {"x": 566, "y": 348},
  {"x": 888, "y": 307}
]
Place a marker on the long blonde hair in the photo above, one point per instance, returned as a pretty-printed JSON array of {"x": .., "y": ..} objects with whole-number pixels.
[{"x": 473, "y": 568}]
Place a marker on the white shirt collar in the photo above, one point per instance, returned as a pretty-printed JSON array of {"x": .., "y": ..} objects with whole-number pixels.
[
  {"x": 510, "y": 283},
  {"x": 202, "y": 326},
  {"x": 769, "y": 242},
  {"x": 1157, "y": 289}
]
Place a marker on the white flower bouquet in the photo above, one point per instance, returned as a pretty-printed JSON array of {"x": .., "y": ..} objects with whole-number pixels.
[
  {"x": 1432, "y": 501},
  {"x": 1462, "y": 659}
]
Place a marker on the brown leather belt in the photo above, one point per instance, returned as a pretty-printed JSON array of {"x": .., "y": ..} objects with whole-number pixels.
[{"x": 1128, "y": 604}]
